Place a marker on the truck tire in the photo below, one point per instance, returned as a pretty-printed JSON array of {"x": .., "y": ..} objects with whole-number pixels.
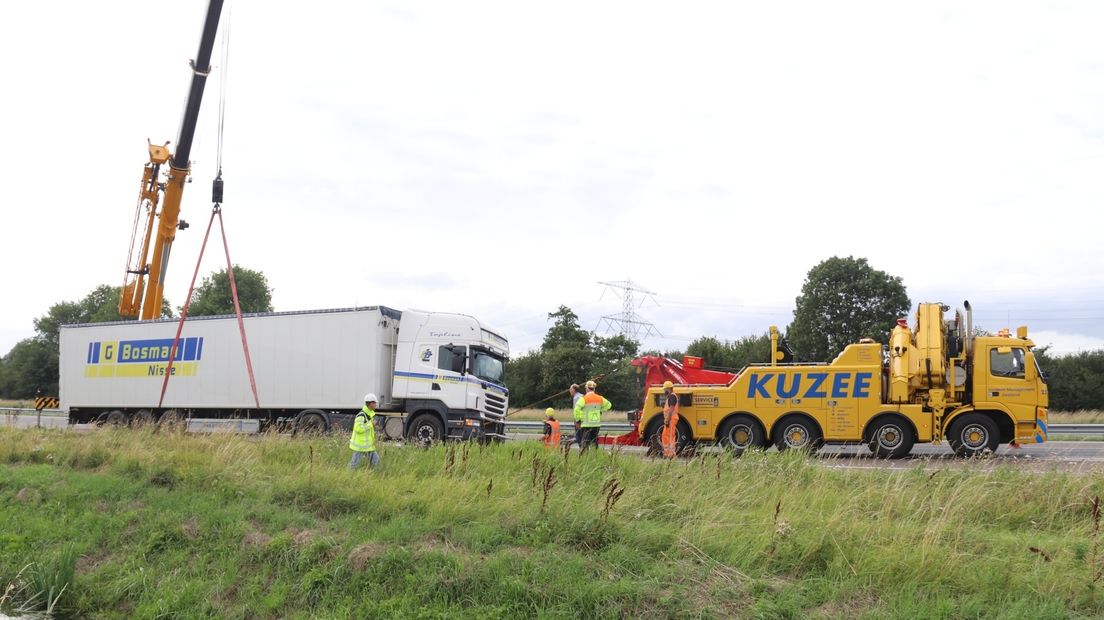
[
  {"x": 310, "y": 423},
  {"x": 426, "y": 430},
  {"x": 891, "y": 438},
  {"x": 652, "y": 436},
  {"x": 171, "y": 420},
  {"x": 797, "y": 433},
  {"x": 973, "y": 434},
  {"x": 116, "y": 418},
  {"x": 142, "y": 418},
  {"x": 684, "y": 446},
  {"x": 740, "y": 433}
]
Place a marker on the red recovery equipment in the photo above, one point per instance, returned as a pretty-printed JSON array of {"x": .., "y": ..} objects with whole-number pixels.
[{"x": 691, "y": 370}]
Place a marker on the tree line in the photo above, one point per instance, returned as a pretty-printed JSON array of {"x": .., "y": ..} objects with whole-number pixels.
[
  {"x": 32, "y": 364},
  {"x": 841, "y": 301}
]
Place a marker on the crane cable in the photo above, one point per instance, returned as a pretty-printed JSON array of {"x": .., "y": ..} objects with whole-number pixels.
[
  {"x": 216, "y": 211},
  {"x": 560, "y": 393},
  {"x": 222, "y": 88}
]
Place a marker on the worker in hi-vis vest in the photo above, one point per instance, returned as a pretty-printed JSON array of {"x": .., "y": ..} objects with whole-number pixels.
[
  {"x": 588, "y": 413},
  {"x": 669, "y": 437},
  {"x": 551, "y": 429},
  {"x": 363, "y": 440}
]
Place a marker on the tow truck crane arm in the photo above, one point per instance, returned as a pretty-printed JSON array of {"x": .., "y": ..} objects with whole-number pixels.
[{"x": 144, "y": 283}]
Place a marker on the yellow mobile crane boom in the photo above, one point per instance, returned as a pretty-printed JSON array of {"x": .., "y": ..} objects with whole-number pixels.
[{"x": 141, "y": 298}]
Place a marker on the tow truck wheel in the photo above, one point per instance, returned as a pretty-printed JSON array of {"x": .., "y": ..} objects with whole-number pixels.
[
  {"x": 426, "y": 430},
  {"x": 684, "y": 445},
  {"x": 739, "y": 433},
  {"x": 797, "y": 433},
  {"x": 653, "y": 435},
  {"x": 891, "y": 438},
  {"x": 973, "y": 434}
]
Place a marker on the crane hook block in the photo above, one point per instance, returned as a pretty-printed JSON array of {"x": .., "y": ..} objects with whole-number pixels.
[{"x": 216, "y": 190}]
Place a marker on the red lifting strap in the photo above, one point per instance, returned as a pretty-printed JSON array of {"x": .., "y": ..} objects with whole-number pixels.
[{"x": 188, "y": 301}]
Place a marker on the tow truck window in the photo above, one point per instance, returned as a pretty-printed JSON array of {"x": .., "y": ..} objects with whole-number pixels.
[
  {"x": 1007, "y": 363},
  {"x": 451, "y": 358}
]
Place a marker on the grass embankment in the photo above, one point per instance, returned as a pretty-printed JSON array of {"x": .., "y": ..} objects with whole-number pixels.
[{"x": 227, "y": 526}]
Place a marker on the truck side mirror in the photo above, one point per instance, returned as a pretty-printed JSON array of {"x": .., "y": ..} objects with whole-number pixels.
[{"x": 1029, "y": 366}]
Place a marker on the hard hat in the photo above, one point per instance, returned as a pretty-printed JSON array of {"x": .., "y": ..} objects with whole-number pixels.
[
  {"x": 370, "y": 398},
  {"x": 591, "y": 385},
  {"x": 550, "y": 412},
  {"x": 668, "y": 385}
]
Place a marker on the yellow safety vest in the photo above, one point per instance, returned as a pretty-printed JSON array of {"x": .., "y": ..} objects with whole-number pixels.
[
  {"x": 588, "y": 410},
  {"x": 363, "y": 438}
]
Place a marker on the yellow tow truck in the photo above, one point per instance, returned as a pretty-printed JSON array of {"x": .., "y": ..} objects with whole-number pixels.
[{"x": 934, "y": 382}]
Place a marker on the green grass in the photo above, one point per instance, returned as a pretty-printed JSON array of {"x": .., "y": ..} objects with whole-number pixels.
[{"x": 168, "y": 525}]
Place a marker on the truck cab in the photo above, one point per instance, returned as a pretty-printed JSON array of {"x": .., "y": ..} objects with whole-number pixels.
[
  {"x": 449, "y": 377},
  {"x": 1007, "y": 378}
]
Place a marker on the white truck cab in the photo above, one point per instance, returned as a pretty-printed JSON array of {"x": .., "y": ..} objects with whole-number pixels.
[{"x": 449, "y": 376}]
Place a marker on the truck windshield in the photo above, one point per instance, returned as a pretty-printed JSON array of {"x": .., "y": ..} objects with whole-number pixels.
[{"x": 487, "y": 367}]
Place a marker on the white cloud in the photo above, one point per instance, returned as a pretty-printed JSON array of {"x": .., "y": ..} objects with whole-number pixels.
[{"x": 499, "y": 158}]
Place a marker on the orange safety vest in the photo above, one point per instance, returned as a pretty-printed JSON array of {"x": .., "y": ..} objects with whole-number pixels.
[
  {"x": 553, "y": 438},
  {"x": 668, "y": 437}
]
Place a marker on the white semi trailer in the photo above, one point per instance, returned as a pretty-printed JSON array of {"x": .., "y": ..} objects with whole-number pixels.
[{"x": 441, "y": 374}]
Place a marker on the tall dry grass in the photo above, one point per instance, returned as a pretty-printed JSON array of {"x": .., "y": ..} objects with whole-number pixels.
[{"x": 233, "y": 526}]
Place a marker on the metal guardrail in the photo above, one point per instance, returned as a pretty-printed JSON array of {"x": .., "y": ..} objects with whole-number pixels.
[
  {"x": 1075, "y": 429},
  {"x": 535, "y": 426},
  {"x": 22, "y": 410}
]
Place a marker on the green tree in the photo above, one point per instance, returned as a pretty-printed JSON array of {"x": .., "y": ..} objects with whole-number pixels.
[
  {"x": 566, "y": 356},
  {"x": 213, "y": 295},
  {"x": 732, "y": 355},
  {"x": 842, "y": 300},
  {"x": 523, "y": 378},
  {"x": 565, "y": 331},
  {"x": 611, "y": 358},
  {"x": 34, "y": 362},
  {"x": 569, "y": 355},
  {"x": 1075, "y": 381}
]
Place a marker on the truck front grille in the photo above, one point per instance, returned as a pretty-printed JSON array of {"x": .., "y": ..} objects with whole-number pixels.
[{"x": 494, "y": 404}]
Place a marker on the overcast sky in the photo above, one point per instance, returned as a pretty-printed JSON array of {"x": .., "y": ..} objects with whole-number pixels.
[{"x": 501, "y": 158}]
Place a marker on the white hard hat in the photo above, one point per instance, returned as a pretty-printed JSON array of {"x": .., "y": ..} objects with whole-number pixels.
[{"x": 370, "y": 398}]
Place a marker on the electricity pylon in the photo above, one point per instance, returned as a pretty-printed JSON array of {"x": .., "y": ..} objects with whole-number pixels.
[{"x": 628, "y": 322}]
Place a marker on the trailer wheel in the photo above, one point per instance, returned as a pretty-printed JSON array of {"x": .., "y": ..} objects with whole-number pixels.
[
  {"x": 426, "y": 430},
  {"x": 116, "y": 418},
  {"x": 171, "y": 420},
  {"x": 891, "y": 438},
  {"x": 973, "y": 434},
  {"x": 143, "y": 417},
  {"x": 741, "y": 432},
  {"x": 797, "y": 433},
  {"x": 310, "y": 424}
]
